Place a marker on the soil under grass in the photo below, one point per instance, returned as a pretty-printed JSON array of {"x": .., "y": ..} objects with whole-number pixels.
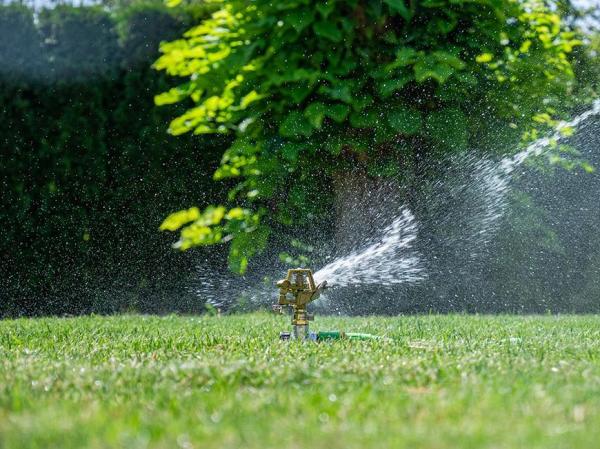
[{"x": 227, "y": 382}]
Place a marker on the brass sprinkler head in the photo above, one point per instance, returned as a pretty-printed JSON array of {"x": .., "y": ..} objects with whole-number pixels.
[{"x": 297, "y": 290}]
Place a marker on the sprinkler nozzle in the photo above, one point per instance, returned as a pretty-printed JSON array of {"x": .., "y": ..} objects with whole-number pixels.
[{"x": 297, "y": 290}]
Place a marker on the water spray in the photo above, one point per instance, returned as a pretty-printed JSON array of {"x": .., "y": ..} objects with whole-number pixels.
[
  {"x": 464, "y": 202},
  {"x": 296, "y": 291}
]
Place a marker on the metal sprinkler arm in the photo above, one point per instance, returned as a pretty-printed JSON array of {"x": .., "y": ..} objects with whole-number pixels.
[{"x": 297, "y": 290}]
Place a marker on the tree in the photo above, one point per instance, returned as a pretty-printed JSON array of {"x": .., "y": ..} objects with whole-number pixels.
[{"x": 313, "y": 89}]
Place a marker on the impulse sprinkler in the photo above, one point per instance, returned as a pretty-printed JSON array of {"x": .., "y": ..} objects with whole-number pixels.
[{"x": 297, "y": 290}]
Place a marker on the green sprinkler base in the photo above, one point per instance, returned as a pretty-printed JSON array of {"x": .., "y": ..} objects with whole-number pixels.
[
  {"x": 339, "y": 335},
  {"x": 332, "y": 335}
]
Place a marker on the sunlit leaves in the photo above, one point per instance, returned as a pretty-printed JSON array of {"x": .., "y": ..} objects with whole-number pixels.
[
  {"x": 484, "y": 57},
  {"x": 214, "y": 225},
  {"x": 524, "y": 48},
  {"x": 295, "y": 81},
  {"x": 240, "y": 158},
  {"x": 249, "y": 98},
  {"x": 172, "y": 3},
  {"x": 178, "y": 219},
  {"x": 174, "y": 95},
  {"x": 587, "y": 167}
]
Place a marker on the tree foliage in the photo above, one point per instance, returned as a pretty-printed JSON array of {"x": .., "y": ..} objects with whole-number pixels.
[{"x": 312, "y": 87}]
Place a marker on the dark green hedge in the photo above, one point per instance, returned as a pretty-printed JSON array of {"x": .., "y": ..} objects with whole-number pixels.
[{"x": 88, "y": 170}]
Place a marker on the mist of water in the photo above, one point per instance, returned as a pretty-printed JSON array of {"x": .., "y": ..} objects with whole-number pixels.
[
  {"x": 390, "y": 260},
  {"x": 464, "y": 203},
  {"x": 462, "y": 207},
  {"x": 539, "y": 146}
]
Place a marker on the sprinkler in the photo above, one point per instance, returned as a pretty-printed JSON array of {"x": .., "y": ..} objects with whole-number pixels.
[{"x": 297, "y": 290}]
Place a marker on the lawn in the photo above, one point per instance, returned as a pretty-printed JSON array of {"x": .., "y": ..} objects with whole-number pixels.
[{"x": 227, "y": 382}]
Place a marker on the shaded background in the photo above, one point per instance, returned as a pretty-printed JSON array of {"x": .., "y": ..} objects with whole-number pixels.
[{"x": 88, "y": 172}]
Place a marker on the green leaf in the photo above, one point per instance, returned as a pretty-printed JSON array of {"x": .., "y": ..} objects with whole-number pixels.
[
  {"x": 295, "y": 125},
  {"x": 359, "y": 144},
  {"x": 325, "y": 8},
  {"x": 388, "y": 87},
  {"x": 400, "y": 8},
  {"x": 249, "y": 98},
  {"x": 405, "y": 120},
  {"x": 443, "y": 26},
  {"x": 173, "y": 95},
  {"x": 300, "y": 19},
  {"x": 334, "y": 144},
  {"x": 432, "y": 3},
  {"x": 364, "y": 119},
  {"x": 177, "y": 219},
  {"x": 449, "y": 59},
  {"x": 341, "y": 90},
  {"x": 361, "y": 102},
  {"x": 404, "y": 57},
  {"x": 429, "y": 69},
  {"x": 588, "y": 168},
  {"x": 291, "y": 150},
  {"x": 384, "y": 134},
  {"x": 299, "y": 91},
  {"x": 337, "y": 112},
  {"x": 315, "y": 113},
  {"x": 383, "y": 169},
  {"x": 466, "y": 78},
  {"x": 328, "y": 30}
]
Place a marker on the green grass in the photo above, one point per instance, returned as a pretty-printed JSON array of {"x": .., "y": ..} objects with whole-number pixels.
[{"x": 228, "y": 382}]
